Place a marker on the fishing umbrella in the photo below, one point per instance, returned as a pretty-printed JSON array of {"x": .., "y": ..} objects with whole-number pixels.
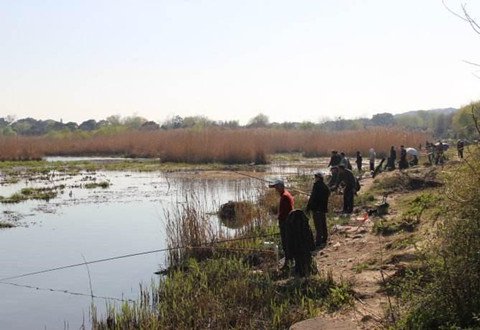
[{"x": 412, "y": 152}]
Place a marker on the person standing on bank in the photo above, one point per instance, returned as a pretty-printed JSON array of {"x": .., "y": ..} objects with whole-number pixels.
[
  {"x": 460, "y": 147},
  {"x": 284, "y": 207},
  {"x": 359, "y": 161},
  {"x": 346, "y": 176},
  {"x": 371, "y": 157},
  {"x": 403, "y": 163},
  {"x": 318, "y": 205}
]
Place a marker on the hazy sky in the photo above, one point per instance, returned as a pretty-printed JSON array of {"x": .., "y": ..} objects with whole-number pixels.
[{"x": 230, "y": 60}]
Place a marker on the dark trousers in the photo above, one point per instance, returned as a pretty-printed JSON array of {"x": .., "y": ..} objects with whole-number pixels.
[
  {"x": 348, "y": 194},
  {"x": 460, "y": 153},
  {"x": 283, "y": 236},
  {"x": 320, "y": 222},
  {"x": 372, "y": 166}
]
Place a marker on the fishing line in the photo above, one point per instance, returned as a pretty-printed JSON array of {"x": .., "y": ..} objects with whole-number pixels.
[
  {"x": 72, "y": 293},
  {"x": 129, "y": 256},
  {"x": 267, "y": 181}
]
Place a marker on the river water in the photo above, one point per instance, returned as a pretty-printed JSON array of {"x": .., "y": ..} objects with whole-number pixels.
[{"x": 89, "y": 224}]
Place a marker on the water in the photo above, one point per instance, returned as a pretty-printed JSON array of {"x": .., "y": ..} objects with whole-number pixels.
[{"x": 127, "y": 217}]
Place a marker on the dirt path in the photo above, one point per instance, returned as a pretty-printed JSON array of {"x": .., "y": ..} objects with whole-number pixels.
[{"x": 355, "y": 254}]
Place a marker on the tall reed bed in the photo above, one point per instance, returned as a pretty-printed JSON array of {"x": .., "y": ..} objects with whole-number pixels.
[{"x": 207, "y": 145}]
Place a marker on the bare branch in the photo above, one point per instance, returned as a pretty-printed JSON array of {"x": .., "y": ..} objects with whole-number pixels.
[
  {"x": 471, "y": 63},
  {"x": 470, "y": 20},
  {"x": 453, "y": 12}
]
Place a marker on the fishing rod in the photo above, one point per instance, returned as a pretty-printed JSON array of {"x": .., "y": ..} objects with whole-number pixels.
[{"x": 269, "y": 182}]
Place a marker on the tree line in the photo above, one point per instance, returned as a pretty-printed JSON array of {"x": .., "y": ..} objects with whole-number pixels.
[{"x": 441, "y": 123}]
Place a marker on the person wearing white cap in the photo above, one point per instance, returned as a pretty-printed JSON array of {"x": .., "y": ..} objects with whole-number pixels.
[{"x": 284, "y": 207}]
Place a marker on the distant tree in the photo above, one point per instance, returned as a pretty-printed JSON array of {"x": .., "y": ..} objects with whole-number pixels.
[
  {"x": 228, "y": 124},
  {"x": 259, "y": 120},
  {"x": 134, "y": 122},
  {"x": 71, "y": 126},
  {"x": 26, "y": 126},
  {"x": 383, "y": 119},
  {"x": 88, "y": 125},
  {"x": 114, "y": 120},
  {"x": 149, "y": 126},
  {"x": 174, "y": 122},
  {"x": 307, "y": 125},
  {"x": 463, "y": 122},
  {"x": 3, "y": 123},
  {"x": 197, "y": 122}
]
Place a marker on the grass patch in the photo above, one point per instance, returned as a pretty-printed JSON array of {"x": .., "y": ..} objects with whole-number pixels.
[
  {"x": 228, "y": 294},
  {"x": 25, "y": 194},
  {"x": 6, "y": 225},
  {"x": 101, "y": 184}
]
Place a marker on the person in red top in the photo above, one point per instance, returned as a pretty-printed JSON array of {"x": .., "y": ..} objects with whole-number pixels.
[{"x": 284, "y": 207}]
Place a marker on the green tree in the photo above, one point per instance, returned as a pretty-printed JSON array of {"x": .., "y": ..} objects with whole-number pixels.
[{"x": 463, "y": 123}]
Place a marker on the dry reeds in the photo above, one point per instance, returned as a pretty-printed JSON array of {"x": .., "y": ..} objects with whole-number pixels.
[{"x": 230, "y": 146}]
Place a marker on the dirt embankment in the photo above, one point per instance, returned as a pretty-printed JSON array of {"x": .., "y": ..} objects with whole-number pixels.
[{"x": 367, "y": 257}]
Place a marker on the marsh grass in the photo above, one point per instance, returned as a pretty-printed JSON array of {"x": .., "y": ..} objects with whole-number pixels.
[
  {"x": 226, "y": 293},
  {"x": 45, "y": 193}
]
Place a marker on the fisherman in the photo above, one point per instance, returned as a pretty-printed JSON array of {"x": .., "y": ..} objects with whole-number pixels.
[
  {"x": 371, "y": 156},
  {"x": 403, "y": 163},
  {"x": 318, "y": 205},
  {"x": 359, "y": 161},
  {"x": 344, "y": 160},
  {"x": 334, "y": 159},
  {"x": 460, "y": 147},
  {"x": 333, "y": 177},
  {"x": 391, "y": 159},
  {"x": 284, "y": 207},
  {"x": 430, "y": 152},
  {"x": 439, "y": 153},
  {"x": 346, "y": 176},
  {"x": 300, "y": 243}
]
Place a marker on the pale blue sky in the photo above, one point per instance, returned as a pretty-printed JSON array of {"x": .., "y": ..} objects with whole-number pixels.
[{"x": 230, "y": 60}]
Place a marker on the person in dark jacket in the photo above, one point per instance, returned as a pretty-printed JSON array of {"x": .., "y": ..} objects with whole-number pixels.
[
  {"x": 300, "y": 243},
  {"x": 335, "y": 159},
  {"x": 359, "y": 161},
  {"x": 403, "y": 163},
  {"x": 284, "y": 207},
  {"x": 318, "y": 205},
  {"x": 346, "y": 176},
  {"x": 391, "y": 159},
  {"x": 460, "y": 147}
]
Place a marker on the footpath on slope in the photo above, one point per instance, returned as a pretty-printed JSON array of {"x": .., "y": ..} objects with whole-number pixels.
[{"x": 352, "y": 251}]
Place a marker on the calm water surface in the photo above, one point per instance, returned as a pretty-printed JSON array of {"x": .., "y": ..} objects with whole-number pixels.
[
  {"x": 127, "y": 217},
  {"x": 89, "y": 224}
]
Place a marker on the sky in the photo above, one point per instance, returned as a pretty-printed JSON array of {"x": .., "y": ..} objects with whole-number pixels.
[{"x": 297, "y": 60}]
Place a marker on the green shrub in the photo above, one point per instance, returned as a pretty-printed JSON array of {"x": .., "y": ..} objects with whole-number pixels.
[{"x": 451, "y": 299}]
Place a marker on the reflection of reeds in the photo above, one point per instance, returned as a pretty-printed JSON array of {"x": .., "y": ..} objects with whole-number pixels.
[{"x": 207, "y": 145}]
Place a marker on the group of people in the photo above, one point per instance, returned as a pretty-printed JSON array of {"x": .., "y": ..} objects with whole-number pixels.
[
  {"x": 341, "y": 176},
  {"x": 317, "y": 205}
]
